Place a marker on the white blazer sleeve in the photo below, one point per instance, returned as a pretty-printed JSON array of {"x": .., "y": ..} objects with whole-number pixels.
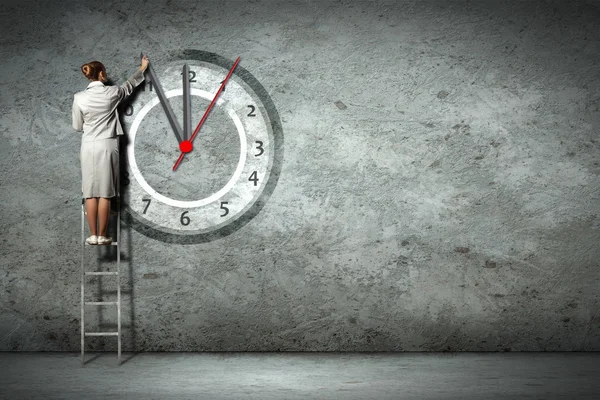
[
  {"x": 77, "y": 117},
  {"x": 127, "y": 88}
]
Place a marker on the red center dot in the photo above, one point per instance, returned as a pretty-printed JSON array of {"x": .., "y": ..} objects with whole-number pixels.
[{"x": 185, "y": 146}]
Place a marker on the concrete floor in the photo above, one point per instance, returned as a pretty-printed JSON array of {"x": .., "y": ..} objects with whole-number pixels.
[{"x": 301, "y": 376}]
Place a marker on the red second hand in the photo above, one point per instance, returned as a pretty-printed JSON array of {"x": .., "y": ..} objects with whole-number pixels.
[{"x": 205, "y": 115}]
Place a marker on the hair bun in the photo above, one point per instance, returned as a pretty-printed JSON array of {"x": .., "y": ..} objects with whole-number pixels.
[
  {"x": 92, "y": 70},
  {"x": 86, "y": 69}
]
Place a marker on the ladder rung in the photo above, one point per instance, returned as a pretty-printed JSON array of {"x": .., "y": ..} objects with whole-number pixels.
[
  {"x": 112, "y": 244},
  {"x": 101, "y": 333},
  {"x": 101, "y": 303},
  {"x": 101, "y": 273}
]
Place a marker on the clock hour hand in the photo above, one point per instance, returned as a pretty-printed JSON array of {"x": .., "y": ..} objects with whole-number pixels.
[
  {"x": 186, "y": 146},
  {"x": 187, "y": 117},
  {"x": 165, "y": 103}
]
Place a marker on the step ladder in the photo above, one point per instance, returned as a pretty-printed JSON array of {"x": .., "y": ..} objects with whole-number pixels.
[{"x": 116, "y": 242}]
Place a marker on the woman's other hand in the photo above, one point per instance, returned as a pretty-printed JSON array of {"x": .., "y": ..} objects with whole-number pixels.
[{"x": 145, "y": 62}]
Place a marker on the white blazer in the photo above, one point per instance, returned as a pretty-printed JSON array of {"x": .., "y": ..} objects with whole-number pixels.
[{"x": 95, "y": 108}]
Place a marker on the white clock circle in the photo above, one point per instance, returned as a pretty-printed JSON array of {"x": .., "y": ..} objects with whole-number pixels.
[{"x": 182, "y": 203}]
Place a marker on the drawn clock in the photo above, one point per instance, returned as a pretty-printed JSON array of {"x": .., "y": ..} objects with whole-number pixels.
[{"x": 206, "y": 177}]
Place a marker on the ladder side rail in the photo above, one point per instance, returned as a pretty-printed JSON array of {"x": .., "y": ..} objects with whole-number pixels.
[
  {"x": 82, "y": 277},
  {"x": 119, "y": 262}
]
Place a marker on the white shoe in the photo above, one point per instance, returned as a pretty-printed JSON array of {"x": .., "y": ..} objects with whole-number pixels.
[
  {"x": 92, "y": 240},
  {"x": 104, "y": 240}
]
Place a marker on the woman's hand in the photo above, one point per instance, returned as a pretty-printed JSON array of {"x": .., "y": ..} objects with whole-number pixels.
[{"x": 144, "y": 65}]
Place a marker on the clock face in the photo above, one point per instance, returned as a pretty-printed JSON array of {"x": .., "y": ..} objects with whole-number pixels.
[{"x": 235, "y": 161}]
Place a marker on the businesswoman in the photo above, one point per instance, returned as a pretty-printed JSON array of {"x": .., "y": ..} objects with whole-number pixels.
[{"x": 95, "y": 114}]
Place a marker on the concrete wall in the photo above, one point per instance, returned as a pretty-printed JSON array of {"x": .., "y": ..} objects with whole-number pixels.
[{"x": 453, "y": 204}]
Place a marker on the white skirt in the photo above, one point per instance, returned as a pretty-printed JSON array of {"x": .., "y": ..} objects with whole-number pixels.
[{"x": 99, "y": 167}]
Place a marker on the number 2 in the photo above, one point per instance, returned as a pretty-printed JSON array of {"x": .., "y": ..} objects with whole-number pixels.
[{"x": 193, "y": 76}]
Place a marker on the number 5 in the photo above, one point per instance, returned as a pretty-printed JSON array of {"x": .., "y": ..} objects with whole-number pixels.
[{"x": 224, "y": 208}]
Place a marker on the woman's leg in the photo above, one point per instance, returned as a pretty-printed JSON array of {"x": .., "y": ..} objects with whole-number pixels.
[
  {"x": 91, "y": 207},
  {"x": 103, "y": 214}
]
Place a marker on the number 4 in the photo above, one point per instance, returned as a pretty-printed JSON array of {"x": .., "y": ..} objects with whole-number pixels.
[{"x": 254, "y": 178}]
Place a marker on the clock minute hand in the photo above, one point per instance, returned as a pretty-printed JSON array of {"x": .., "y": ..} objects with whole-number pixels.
[{"x": 165, "y": 103}]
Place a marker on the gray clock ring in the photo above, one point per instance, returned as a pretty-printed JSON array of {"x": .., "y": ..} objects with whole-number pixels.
[{"x": 236, "y": 159}]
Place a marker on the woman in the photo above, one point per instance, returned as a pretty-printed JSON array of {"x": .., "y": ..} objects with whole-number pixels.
[{"x": 95, "y": 114}]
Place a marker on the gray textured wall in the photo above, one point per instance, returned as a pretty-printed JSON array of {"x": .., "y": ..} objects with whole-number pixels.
[{"x": 453, "y": 205}]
